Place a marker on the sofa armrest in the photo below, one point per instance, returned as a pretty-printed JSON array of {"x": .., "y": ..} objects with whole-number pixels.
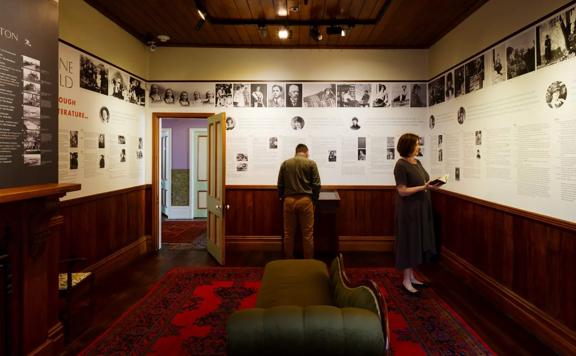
[
  {"x": 312, "y": 330},
  {"x": 365, "y": 294}
]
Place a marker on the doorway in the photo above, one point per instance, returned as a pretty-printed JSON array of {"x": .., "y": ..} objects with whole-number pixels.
[{"x": 183, "y": 160}]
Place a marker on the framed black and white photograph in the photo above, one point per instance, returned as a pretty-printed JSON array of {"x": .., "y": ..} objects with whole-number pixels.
[
  {"x": 457, "y": 173},
  {"x": 154, "y": 94},
  {"x": 31, "y": 123},
  {"x": 241, "y": 157},
  {"x": 478, "y": 155},
  {"x": 121, "y": 140},
  {"x": 31, "y": 75},
  {"x": 137, "y": 92},
  {"x": 168, "y": 96},
  {"x": 276, "y": 95},
  {"x": 496, "y": 64},
  {"x": 30, "y": 63},
  {"x": 31, "y": 143},
  {"x": 123, "y": 155},
  {"x": 474, "y": 74},
  {"x": 418, "y": 95},
  {"x": 354, "y": 95},
  {"x": 431, "y": 122},
  {"x": 361, "y": 142},
  {"x": 400, "y": 95},
  {"x": 449, "y": 89},
  {"x": 332, "y": 156},
  {"x": 361, "y": 154},
  {"x": 104, "y": 115},
  {"x": 440, "y": 141},
  {"x": 241, "y": 96},
  {"x": 297, "y": 123},
  {"x": 242, "y": 167},
  {"x": 74, "y": 138},
  {"x": 382, "y": 97},
  {"x": 258, "y": 95},
  {"x": 223, "y": 95},
  {"x": 273, "y": 143},
  {"x": 555, "y": 38},
  {"x": 140, "y": 143},
  {"x": 93, "y": 75},
  {"x": 120, "y": 87},
  {"x": 230, "y": 123},
  {"x": 478, "y": 137},
  {"x": 390, "y": 154},
  {"x": 319, "y": 95},
  {"x": 73, "y": 160},
  {"x": 556, "y": 94},
  {"x": 101, "y": 140},
  {"x": 459, "y": 85},
  {"x": 354, "y": 124},
  {"x": 420, "y": 152},
  {"x": 31, "y": 111},
  {"x": 436, "y": 90},
  {"x": 183, "y": 98},
  {"x": 102, "y": 162},
  {"x": 461, "y": 115},
  {"x": 31, "y": 99},
  {"x": 294, "y": 95},
  {"x": 520, "y": 54},
  {"x": 440, "y": 154},
  {"x": 30, "y": 87}
]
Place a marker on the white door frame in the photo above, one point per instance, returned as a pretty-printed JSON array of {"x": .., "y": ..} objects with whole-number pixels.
[
  {"x": 192, "y": 165},
  {"x": 167, "y": 165}
]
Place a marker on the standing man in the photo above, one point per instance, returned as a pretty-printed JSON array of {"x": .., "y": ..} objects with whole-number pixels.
[{"x": 299, "y": 187}]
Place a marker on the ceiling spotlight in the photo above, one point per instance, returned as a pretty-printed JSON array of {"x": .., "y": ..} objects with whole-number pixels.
[
  {"x": 315, "y": 34},
  {"x": 263, "y": 30},
  {"x": 283, "y": 33},
  {"x": 202, "y": 14},
  {"x": 163, "y": 38},
  {"x": 282, "y": 12}
]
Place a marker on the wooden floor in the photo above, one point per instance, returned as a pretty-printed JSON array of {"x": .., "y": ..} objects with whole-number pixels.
[{"x": 116, "y": 293}]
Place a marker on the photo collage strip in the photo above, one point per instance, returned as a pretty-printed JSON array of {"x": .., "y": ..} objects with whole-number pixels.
[
  {"x": 107, "y": 80},
  {"x": 551, "y": 41},
  {"x": 31, "y": 111},
  {"x": 291, "y": 95}
]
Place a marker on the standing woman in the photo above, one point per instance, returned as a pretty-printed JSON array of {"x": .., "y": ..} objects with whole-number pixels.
[{"x": 414, "y": 223}]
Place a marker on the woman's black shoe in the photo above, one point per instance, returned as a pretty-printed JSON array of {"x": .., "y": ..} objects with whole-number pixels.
[{"x": 417, "y": 292}]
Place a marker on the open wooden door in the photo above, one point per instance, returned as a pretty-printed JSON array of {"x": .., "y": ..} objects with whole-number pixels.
[{"x": 216, "y": 186}]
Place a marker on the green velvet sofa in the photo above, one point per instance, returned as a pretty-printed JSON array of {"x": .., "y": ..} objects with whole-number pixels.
[{"x": 303, "y": 308}]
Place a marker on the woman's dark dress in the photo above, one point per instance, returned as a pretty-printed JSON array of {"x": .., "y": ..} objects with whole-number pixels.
[{"x": 415, "y": 241}]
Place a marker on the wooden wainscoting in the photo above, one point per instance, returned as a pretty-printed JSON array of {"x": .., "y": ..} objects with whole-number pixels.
[
  {"x": 523, "y": 262},
  {"x": 365, "y": 218},
  {"x": 109, "y": 229}
]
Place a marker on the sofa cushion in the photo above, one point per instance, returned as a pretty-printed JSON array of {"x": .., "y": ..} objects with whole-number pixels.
[
  {"x": 313, "y": 330},
  {"x": 294, "y": 282}
]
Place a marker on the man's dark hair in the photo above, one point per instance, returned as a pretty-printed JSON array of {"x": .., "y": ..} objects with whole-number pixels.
[
  {"x": 406, "y": 144},
  {"x": 301, "y": 148}
]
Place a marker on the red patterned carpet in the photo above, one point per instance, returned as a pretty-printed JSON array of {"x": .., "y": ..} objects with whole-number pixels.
[
  {"x": 185, "y": 313},
  {"x": 182, "y": 231}
]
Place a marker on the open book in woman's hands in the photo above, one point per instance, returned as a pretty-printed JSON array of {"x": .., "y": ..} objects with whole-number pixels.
[{"x": 439, "y": 181}]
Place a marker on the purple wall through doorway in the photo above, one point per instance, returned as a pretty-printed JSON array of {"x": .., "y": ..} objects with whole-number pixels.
[{"x": 180, "y": 139}]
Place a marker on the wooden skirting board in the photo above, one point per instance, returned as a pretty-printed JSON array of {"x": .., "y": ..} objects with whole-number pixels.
[
  {"x": 551, "y": 331},
  {"x": 121, "y": 257},
  {"x": 274, "y": 243}
]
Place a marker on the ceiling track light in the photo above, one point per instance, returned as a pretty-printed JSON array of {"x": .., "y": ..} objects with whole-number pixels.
[
  {"x": 315, "y": 34},
  {"x": 202, "y": 14},
  {"x": 284, "y": 33}
]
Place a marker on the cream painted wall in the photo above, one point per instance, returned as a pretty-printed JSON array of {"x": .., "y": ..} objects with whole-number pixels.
[
  {"x": 171, "y": 63},
  {"x": 494, "y": 21},
  {"x": 83, "y": 26}
]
